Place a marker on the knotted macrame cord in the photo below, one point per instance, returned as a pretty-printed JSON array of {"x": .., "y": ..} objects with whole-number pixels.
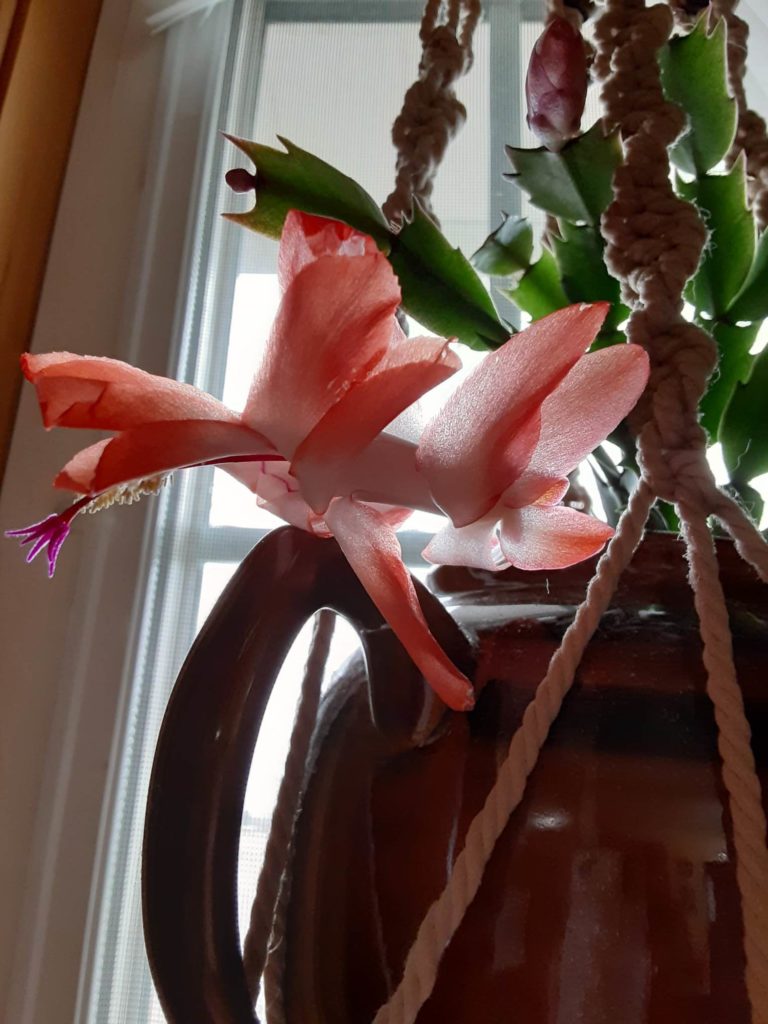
[
  {"x": 431, "y": 114},
  {"x": 654, "y": 243}
]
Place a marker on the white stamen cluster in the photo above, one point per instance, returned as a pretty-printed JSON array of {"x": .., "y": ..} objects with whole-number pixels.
[{"x": 127, "y": 494}]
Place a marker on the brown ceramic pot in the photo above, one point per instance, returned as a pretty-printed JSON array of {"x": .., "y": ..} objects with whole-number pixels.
[{"x": 611, "y": 894}]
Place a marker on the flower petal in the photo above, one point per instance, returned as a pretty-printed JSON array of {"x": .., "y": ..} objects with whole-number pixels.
[
  {"x": 550, "y": 537},
  {"x": 305, "y": 238},
  {"x": 476, "y": 545},
  {"x": 278, "y": 492},
  {"x": 155, "y": 448},
  {"x": 386, "y": 472},
  {"x": 107, "y": 394},
  {"x": 406, "y": 372},
  {"x": 482, "y": 440},
  {"x": 590, "y": 401},
  {"x": 334, "y": 324},
  {"x": 373, "y": 551}
]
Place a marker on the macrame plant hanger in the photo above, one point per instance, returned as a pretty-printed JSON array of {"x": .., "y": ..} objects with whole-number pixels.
[{"x": 654, "y": 241}]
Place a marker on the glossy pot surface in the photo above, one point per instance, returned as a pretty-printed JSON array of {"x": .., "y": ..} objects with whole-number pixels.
[{"x": 611, "y": 895}]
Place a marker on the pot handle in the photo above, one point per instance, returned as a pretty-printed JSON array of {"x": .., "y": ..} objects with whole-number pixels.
[{"x": 205, "y": 748}]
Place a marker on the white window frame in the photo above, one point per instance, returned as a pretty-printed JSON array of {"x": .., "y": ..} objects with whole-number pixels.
[{"x": 117, "y": 257}]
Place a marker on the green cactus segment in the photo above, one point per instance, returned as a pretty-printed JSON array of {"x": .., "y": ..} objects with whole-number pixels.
[
  {"x": 539, "y": 291},
  {"x": 574, "y": 184},
  {"x": 744, "y": 428},
  {"x": 734, "y": 364},
  {"x": 297, "y": 180},
  {"x": 583, "y": 273},
  {"x": 722, "y": 200},
  {"x": 694, "y": 74},
  {"x": 751, "y": 303},
  {"x": 507, "y": 251},
  {"x": 439, "y": 287}
]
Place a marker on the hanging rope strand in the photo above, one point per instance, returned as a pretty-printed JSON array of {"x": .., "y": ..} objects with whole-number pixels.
[
  {"x": 431, "y": 113},
  {"x": 654, "y": 245},
  {"x": 749, "y": 542},
  {"x": 739, "y": 775},
  {"x": 672, "y": 444},
  {"x": 288, "y": 800},
  {"x": 446, "y": 913}
]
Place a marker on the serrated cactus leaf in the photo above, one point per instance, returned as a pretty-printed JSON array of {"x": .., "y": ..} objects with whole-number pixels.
[
  {"x": 584, "y": 275},
  {"x": 439, "y": 287},
  {"x": 574, "y": 184},
  {"x": 506, "y": 252},
  {"x": 751, "y": 304},
  {"x": 722, "y": 200},
  {"x": 539, "y": 291},
  {"x": 744, "y": 428},
  {"x": 694, "y": 74},
  {"x": 733, "y": 367}
]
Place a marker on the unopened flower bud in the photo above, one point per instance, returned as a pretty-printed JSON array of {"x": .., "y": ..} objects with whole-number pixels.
[
  {"x": 240, "y": 180},
  {"x": 556, "y": 84}
]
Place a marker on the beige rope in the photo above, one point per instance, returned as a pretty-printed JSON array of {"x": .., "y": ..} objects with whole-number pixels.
[
  {"x": 446, "y": 913},
  {"x": 739, "y": 775},
  {"x": 654, "y": 242},
  {"x": 672, "y": 442},
  {"x": 288, "y": 800},
  {"x": 431, "y": 113},
  {"x": 750, "y": 544}
]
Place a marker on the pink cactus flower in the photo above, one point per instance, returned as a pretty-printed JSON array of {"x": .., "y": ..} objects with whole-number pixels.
[
  {"x": 316, "y": 441},
  {"x": 556, "y": 84},
  {"x": 497, "y": 455}
]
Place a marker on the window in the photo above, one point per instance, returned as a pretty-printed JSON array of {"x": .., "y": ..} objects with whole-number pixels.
[
  {"x": 329, "y": 76},
  {"x": 134, "y": 274}
]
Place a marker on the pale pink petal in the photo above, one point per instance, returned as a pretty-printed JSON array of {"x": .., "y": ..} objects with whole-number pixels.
[
  {"x": 334, "y": 325},
  {"x": 278, "y": 492},
  {"x": 550, "y": 537},
  {"x": 483, "y": 438},
  {"x": 373, "y": 551},
  {"x": 591, "y": 400},
  {"x": 306, "y": 237},
  {"x": 106, "y": 394},
  {"x": 403, "y": 375},
  {"x": 476, "y": 545},
  {"x": 386, "y": 472},
  {"x": 550, "y": 490},
  {"x": 156, "y": 448}
]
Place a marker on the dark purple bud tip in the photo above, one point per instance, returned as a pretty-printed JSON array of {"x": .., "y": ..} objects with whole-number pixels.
[{"x": 240, "y": 180}]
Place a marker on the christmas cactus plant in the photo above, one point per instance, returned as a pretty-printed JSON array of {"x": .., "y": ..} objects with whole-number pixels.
[{"x": 569, "y": 178}]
